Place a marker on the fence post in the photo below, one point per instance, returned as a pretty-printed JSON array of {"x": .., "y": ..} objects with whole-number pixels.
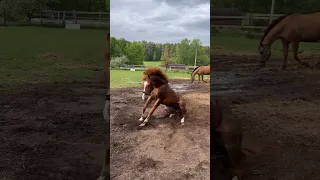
[
  {"x": 99, "y": 16},
  {"x": 74, "y": 17},
  {"x": 64, "y": 16},
  {"x": 58, "y": 17},
  {"x": 41, "y": 18}
]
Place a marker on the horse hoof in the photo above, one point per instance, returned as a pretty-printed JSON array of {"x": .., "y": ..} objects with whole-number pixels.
[
  {"x": 235, "y": 178},
  {"x": 171, "y": 115},
  {"x": 141, "y": 119},
  {"x": 102, "y": 178},
  {"x": 182, "y": 124}
]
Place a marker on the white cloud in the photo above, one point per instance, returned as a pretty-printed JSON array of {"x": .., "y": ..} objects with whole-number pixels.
[{"x": 159, "y": 21}]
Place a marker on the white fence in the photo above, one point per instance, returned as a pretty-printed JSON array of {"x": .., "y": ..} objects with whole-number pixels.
[
  {"x": 242, "y": 22},
  {"x": 143, "y": 67},
  {"x": 99, "y": 19}
]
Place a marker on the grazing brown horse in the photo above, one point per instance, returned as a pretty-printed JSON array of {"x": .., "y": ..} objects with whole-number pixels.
[
  {"x": 292, "y": 28},
  {"x": 159, "y": 90},
  {"x": 227, "y": 139},
  {"x": 106, "y": 112},
  {"x": 201, "y": 70}
]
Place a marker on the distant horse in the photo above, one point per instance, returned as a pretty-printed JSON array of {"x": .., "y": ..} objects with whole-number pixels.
[
  {"x": 156, "y": 85},
  {"x": 106, "y": 111},
  {"x": 291, "y": 28},
  {"x": 226, "y": 140},
  {"x": 201, "y": 70}
]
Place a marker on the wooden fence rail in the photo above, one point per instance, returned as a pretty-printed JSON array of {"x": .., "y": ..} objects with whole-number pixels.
[
  {"x": 75, "y": 17},
  {"x": 243, "y": 22}
]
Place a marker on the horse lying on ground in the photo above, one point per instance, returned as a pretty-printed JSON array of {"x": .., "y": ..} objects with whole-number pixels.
[
  {"x": 291, "y": 28},
  {"x": 158, "y": 89},
  {"x": 105, "y": 172},
  {"x": 226, "y": 140},
  {"x": 201, "y": 70}
]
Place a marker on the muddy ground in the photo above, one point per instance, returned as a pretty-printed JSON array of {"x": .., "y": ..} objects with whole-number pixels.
[
  {"x": 52, "y": 131},
  {"x": 280, "y": 111},
  {"x": 162, "y": 149}
]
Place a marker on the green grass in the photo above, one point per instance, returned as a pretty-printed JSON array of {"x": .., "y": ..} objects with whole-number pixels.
[
  {"x": 152, "y": 63},
  {"x": 35, "y": 54},
  {"x": 125, "y": 78},
  {"x": 239, "y": 45}
]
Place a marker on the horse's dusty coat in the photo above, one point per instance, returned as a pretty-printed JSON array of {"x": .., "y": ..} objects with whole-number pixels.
[{"x": 161, "y": 92}]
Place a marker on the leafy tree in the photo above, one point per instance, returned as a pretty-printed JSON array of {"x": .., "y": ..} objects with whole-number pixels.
[
  {"x": 116, "y": 62},
  {"x": 134, "y": 52}
]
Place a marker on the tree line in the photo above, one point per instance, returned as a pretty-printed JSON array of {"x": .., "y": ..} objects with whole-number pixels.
[
  {"x": 264, "y": 6},
  {"x": 134, "y": 53},
  {"x": 24, "y": 10}
]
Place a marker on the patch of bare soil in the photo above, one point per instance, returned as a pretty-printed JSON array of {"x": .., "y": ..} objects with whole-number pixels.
[
  {"x": 163, "y": 149},
  {"x": 52, "y": 131},
  {"x": 280, "y": 111}
]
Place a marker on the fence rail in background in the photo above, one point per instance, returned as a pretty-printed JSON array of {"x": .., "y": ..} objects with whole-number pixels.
[
  {"x": 249, "y": 21},
  {"x": 143, "y": 67},
  {"x": 99, "y": 19}
]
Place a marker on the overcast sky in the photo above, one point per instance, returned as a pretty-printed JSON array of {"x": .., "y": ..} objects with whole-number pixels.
[{"x": 160, "y": 20}]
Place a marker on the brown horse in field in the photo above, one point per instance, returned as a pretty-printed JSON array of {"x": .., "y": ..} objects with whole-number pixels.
[
  {"x": 226, "y": 139},
  {"x": 201, "y": 70},
  {"x": 292, "y": 28},
  {"x": 106, "y": 111},
  {"x": 158, "y": 89}
]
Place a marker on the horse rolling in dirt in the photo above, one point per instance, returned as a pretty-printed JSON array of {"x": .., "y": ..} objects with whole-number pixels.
[
  {"x": 292, "y": 28},
  {"x": 201, "y": 70},
  {"x": 106, "y": 111},
  {"x": 226, "y": 141},
  {"x": 158, "y": 89}
]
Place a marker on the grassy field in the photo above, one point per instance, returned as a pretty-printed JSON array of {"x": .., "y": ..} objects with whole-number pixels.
[
  {"x": 152, "y": 63},
  {"x": 125, "y": 78},
  {"x": 35, "y": 54},
  {"x": 239, "y": 45}
]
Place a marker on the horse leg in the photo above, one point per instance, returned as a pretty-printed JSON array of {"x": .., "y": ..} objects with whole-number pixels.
[
  {"x": 156, "y": 104},
  {"x": 145, "y": 106},
  {"x": 183, "y": 109},
  {"x": 105, "y": 169},
  {"x": 285, "y": 47},
  {"x": 199, "y": 78},
  {"x": 295, "y": 47}
]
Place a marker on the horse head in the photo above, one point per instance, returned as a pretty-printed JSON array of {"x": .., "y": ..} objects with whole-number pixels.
[
  {"x": 265, "y": 53},
  {"x": 147, "y": 86},
  {"x": 153, "y": 78}
]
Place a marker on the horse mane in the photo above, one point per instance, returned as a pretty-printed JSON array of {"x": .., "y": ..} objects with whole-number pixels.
[
  {"x": 272, "y": 24},
  {"x": 156, "y": 71},
  {"x": 144, "y": 76},
  {"x": 194, "y": 70}
]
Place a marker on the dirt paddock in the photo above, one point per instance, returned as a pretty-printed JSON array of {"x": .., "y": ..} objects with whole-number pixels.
[
  {"x": 162, "y": 149},
  {"x": 280, "y": 111},
  {"x": 52, "y": 131}
]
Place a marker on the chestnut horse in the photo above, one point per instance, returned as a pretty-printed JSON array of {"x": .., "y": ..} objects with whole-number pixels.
[
  {"x": 156, "y": 85},
  {"x": 105, "y": 173},
  {"x": 201, "y": 70},
  {"x": 226, "y": 140},
  {"x": 291, "y": 28},
  {"x": 147, "y": 92}
]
